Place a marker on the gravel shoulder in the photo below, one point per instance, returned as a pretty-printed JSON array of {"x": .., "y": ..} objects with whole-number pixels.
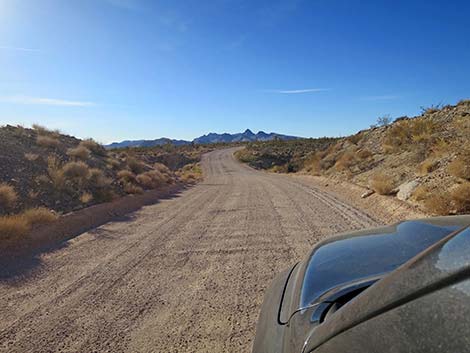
[{"x": 187, "y": 274}]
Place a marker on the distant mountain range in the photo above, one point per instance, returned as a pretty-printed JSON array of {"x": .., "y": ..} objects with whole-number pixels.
[{"x": 247, "y": 136}]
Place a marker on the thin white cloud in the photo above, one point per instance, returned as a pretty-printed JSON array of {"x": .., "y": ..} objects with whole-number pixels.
[
  {"x": 5, "y": 47},
  {"x": 380, "y": 98},
  {"x": 298, "y": 91},
  {"x": 44, "y": 101}
]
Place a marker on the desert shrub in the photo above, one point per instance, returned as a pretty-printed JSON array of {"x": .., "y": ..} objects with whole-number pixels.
[
  {"x": 113, "y": 163},
  {"x": 97, "y": 179},
  {"x": 245, "y": 156},
  {"x": 8, "y": 197},
  {"x": 460, "y": 167},
  {"x": 151, "y": 179},
  {"x": 86, "y": 197},
  {"x": 31, "y": 156},
  {"x": 410, "y": 134},
  {"x": 47, "y": 141},
  {"x": 441, "y": 147},
  {"x": 364, "y": 154},
  {"x": 40, "y": 215},
  {"x": 55, "y": 172},
  {"x": 461, "y": 197},
  {"x": 438, "y": 203},
  {"x": 384, "y": 120},
  {"x": 13, "y": 227},
  {"x": 76, "y": 170},
  {"x": 94, "y": 147},
  {"x": 420, "y": 193},
  {"x": 162, "y": 168},
  {"x": 346, "y": 160},
  {"x": 354, "y": 139},
  {"x": 145, "y": 181},
  {"x": 126, "y": 175},
  {"x": 381, "y": 184},
  {"x": 131, "y": 188},
  {"x": 41, "y": 130},
  {"x": 313, "y": 164},
  {"x": 427, "y": 166},
  {"x": 79, "y": 152},
  {"x": 135, "y": 165}
]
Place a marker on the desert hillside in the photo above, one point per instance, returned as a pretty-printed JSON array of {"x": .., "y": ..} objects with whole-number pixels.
[
  {"x": 44, "y": 173},
  {"x": 423, "y": 160}
]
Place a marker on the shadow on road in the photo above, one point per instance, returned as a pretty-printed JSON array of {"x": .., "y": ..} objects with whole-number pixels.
[{"x": 18, "y": 261}]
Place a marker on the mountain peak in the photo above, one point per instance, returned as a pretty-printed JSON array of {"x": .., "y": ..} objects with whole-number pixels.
[{"x": 248, "y": 132}]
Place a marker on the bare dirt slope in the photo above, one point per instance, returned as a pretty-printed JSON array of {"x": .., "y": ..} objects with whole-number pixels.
[{"x": 184, "y": 275}]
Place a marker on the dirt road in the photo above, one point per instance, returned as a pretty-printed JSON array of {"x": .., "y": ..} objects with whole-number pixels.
[{"x": 184, "y": 275}]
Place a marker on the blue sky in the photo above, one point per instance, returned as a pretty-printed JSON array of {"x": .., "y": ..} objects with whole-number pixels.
[{"x": 132, "y": 69}]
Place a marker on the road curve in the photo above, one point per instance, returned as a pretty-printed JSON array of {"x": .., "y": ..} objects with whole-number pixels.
[{"x": 184, "y": 275}]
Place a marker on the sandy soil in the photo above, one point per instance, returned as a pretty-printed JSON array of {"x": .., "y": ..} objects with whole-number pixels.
[{"x": 184, "y": 275}]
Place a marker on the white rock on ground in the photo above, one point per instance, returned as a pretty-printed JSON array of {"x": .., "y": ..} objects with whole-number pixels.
[{"x": 405, "y": 190}]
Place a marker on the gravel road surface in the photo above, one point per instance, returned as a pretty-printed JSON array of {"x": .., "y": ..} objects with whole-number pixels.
[{"x": 184, "y": 275}]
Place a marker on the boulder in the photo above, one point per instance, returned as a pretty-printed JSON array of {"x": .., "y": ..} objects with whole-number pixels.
[{"x": 405, "y": 190}]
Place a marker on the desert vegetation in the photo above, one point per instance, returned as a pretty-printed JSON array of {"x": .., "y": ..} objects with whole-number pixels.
[
  {"x": 428, "y": 154},
  {"x": 44, "y": 173}
]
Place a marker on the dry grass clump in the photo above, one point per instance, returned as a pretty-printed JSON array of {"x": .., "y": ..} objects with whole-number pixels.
[
  {"x": 161, "y": 168},
  {"x": 113, "y": 163},
  {"x": 151, "y": 180},
  {"x": 364, "y": 154},
  {"x": 55, "y": 172},
  {"x": 461, "y": 197},
  {"x": 421, "y": 193},
  {"x": 97, "y": 179},
  {"x": 407, "y": 134},
  {"x": 460, "y": 167},
  {"x": 79, "y": 152},
  {"x": 41, "y": 130},
  {"x": 438, "y": 203},
  {"x": 86, "y": 197},
  {"x": 13, "y": 227},
  {"x": 191, "y": 173},
  {"x": 313, "y": 164},
  {"x": 131, "y": 188},
  {"x": 8, "y": 197},
  {"x": 31, "y": 157},
  {"x": 76, "y": 170},
  {"x": 346, "y": 160},
  {"x": 381, "y": 184},
  {"x": 94, "y": 147},
  {"x": 47, "y": 141},
  {"x": 126, "y": 176},
  {"x": 135, "y": 165},
  {"x": 427, "y": 166},
  {"x": 40, "y": 215}
]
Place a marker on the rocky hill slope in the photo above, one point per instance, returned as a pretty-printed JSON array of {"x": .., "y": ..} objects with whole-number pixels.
[{"x": 423, "y": 160}]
